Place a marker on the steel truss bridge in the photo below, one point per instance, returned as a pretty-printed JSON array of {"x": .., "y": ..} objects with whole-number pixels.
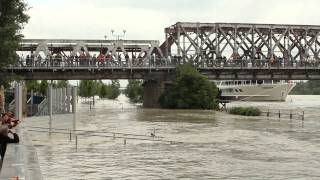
[{"x": 218, "y": 50}]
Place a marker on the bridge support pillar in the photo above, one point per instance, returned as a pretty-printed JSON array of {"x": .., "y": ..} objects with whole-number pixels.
[
  {"x": 18, "y": 100},
  {"x": 63, "y": 99},
  {"x": 50, "y": 104},
  {"x": 68, "y": 100},
  {"x": 74, "y": 104},
  {"x": 153, "y": 88}
]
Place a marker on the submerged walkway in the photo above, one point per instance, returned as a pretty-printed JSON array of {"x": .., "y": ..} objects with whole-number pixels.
[{"x": 21, "y": 160}]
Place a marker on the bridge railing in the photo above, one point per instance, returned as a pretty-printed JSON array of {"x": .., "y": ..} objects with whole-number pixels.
[{"x": 165, "y": 62}]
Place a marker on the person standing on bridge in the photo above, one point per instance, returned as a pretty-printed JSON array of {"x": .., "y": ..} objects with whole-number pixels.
[{"x": 101, "y": 59}]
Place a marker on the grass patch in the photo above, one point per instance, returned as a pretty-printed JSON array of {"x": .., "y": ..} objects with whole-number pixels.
[{"x": 245, "y": 111}]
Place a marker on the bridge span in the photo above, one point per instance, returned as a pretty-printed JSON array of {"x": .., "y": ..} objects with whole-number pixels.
[
  {"x": 218, "y": 50},
  {"x": 221, "y": 51}
]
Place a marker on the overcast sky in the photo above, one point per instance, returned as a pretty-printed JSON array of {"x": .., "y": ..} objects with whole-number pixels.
[{"x": 146, "y": 19}]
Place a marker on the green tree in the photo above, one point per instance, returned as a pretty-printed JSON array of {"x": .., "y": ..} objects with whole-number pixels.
[
  {"x": 33, "y": 85},
  {"x": 190, "y": 90},
  {"x": 134, "y": 91},
  {"x": 62, "y": 84},
  {"x": 311, "y": 87},
  {"x": 54, "y": 84},
  {"x": 43, "y": 87},
  {"x": 103, "y": 91},
  {"x": 113, "y": 90},
  {"x": 86, "y": 88},
  {"x": 12, "y": 19}
]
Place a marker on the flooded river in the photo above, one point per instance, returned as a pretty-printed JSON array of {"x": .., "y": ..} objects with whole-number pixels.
[{"x": 206, "y": 144}]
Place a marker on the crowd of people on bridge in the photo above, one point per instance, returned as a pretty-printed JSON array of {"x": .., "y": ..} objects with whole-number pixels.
[
  {"x": 8, "y": 122},
  {"x": 125, "y": 60},
  {"x": 102, "y": 59}
]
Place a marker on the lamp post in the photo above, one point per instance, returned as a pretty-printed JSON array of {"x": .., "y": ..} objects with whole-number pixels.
[{"x": 118, "y": 36}]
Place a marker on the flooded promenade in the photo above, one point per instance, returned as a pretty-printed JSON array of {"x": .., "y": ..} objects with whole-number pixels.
[{"x": 214, "y": 145}]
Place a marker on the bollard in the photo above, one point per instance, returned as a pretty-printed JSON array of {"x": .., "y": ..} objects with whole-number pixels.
[
  {"x": 154, "y": 132},
  {"x": 302, "y": 115},
  {"x": 291, "y": 115},
  {"x": 76, "y": 141},
  {"x": 70, "y": 137},
  {"x": 124, "y": 141},
  {"x": 279, "y": 114},
  {"x": 268, "y": 113}
]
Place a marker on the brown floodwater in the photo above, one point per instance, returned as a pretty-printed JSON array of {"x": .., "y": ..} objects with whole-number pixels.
[{"x": 205, "y": 144}]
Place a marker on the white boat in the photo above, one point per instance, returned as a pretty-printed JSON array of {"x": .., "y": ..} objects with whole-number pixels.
[{"x": 267, "y": 90}]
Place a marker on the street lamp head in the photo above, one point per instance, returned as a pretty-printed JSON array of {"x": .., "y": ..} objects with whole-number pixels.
[
  {"x": 105, "y": 37},
  {"x": 112, "y": 31},
  {"x": 124, "y": 31}
]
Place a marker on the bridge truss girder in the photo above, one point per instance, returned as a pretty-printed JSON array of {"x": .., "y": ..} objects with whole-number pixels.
[
  {"x": 209, "y": 42},
  {"x": 143, "y": 49}
]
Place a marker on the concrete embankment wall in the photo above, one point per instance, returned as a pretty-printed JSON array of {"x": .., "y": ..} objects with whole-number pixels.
[{"x": 21, "y": 160}]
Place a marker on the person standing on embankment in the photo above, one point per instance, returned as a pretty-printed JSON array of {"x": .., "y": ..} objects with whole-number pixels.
[{"x": 5, "y": 137}]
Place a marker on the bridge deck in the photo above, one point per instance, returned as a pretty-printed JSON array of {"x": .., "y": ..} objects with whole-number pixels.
[{"x": 141, "y": 72}]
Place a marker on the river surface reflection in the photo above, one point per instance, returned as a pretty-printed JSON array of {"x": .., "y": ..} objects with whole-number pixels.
[{"x": 214, "y": 145}]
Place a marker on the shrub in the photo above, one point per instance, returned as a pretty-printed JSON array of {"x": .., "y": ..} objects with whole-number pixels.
[
  {"x": 245, "y": 111},
  {"x": 190, "y": 90}
]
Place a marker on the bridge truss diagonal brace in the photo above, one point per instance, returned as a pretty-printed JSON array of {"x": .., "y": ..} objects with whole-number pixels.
[
  {"x": 42, "y": 47},
  {"x": 79, "y": 47}
]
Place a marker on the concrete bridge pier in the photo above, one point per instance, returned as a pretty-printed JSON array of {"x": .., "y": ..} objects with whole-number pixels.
[{"x": 153, "y": 88}]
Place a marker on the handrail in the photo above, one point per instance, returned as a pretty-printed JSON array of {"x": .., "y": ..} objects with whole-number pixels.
[{"x": 141, "y": 62}]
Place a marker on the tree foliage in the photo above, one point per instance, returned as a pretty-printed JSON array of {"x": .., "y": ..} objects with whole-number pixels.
[
  {"x": 33, "y": 85},
  {"x": 103, "y": 91},
  {"x": 245, "y": 111},
  {"x": 113, "y": 90},
  {"x": 134, "y": 91},
  {"x": 62, "y": 83},
  {"x": 311, "y": 87},
  {"x": 88, "y": 88},
  {"x": 190, "y": 90},
  {"x": 12, "y": 19},
  {"x": 43, "y": 87}
]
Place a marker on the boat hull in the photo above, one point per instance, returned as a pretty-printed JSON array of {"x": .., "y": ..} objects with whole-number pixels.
[{"x": 260, "y": 92}]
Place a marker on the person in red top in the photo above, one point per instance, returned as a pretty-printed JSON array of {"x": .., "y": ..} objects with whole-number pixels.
[{"x": 101, "y": 58}]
